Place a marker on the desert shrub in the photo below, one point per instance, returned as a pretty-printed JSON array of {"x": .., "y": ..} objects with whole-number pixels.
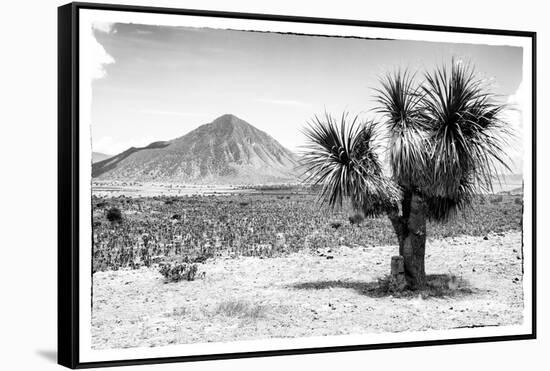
[
  {"x": 179, "y": 271},
  {"x": 356, "y": 218},
  {"x": 518, "y": 201},
  {"x": 240, "y": 309},
  {"x": 316, "y": 241},
  {"x": 335, "y": 225},
  {"x": 199, "y": 257},
  {"x": 114, "y": 214},
  {"x": 179, "y": 312}
]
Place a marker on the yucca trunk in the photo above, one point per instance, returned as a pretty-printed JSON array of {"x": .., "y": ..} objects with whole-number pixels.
[{"x": 410, "y": 228}]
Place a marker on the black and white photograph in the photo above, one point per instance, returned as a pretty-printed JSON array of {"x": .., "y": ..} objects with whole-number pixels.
[{"x": 250, "y": 185}]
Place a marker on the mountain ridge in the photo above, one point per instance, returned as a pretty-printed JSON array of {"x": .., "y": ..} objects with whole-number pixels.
[
  {"x": 99, "y": 156},
  {"x": 227, "y": 150}
]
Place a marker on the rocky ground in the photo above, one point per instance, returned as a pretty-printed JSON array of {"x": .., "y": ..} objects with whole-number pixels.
[{"x": 475, "y": 281}]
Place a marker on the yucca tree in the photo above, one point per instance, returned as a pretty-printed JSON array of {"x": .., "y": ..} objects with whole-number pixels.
[{"x": 444, "y": 140}]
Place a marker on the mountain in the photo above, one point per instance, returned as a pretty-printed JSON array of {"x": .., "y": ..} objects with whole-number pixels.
[
  {"x": 508, "y": 184},
  {"x": 98, "y": 156},
  {"x": 226, "y": 151}
]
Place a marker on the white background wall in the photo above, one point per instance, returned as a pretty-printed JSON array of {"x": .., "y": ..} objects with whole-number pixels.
[{"x": 28, "y": 155}]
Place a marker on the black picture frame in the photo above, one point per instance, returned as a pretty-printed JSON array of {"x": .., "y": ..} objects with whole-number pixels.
[{"x": 68, "y": 182}]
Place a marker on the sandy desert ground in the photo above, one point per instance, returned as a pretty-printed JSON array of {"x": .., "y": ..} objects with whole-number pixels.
[{"x": 476, "y": 282}]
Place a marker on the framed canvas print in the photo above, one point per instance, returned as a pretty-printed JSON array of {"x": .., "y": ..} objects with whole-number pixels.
[{"x": 241, "y": 185}]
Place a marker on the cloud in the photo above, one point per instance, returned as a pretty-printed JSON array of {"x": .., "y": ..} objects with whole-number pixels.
[
  {"x": 100, "y": 59},
  {"x": 105, "y": 27},
  {"x": 518, "y": 98},
  {"x": 98, "y": 55},
  {"x": 513, "y": 115}
]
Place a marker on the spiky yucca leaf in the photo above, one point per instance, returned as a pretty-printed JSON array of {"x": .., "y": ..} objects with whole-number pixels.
[
  {"x": 400, "y": 104},
  {"x": 467, "y": 138},
  {"x": 342, "y": 157}
]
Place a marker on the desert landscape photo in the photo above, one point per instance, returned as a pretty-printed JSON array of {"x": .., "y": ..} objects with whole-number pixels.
[{"x": 260, "y": 185}]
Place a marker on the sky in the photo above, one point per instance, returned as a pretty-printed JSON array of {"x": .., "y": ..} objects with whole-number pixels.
[{"x": 160, "y": 82}]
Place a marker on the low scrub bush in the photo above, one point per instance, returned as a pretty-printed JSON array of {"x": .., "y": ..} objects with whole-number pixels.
[
  {"x": 114, "y": 215},
  {"x": 176, "y": 272},
  {"x": 335, "y": 225},
  {"x": 240, "y": 309}
]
